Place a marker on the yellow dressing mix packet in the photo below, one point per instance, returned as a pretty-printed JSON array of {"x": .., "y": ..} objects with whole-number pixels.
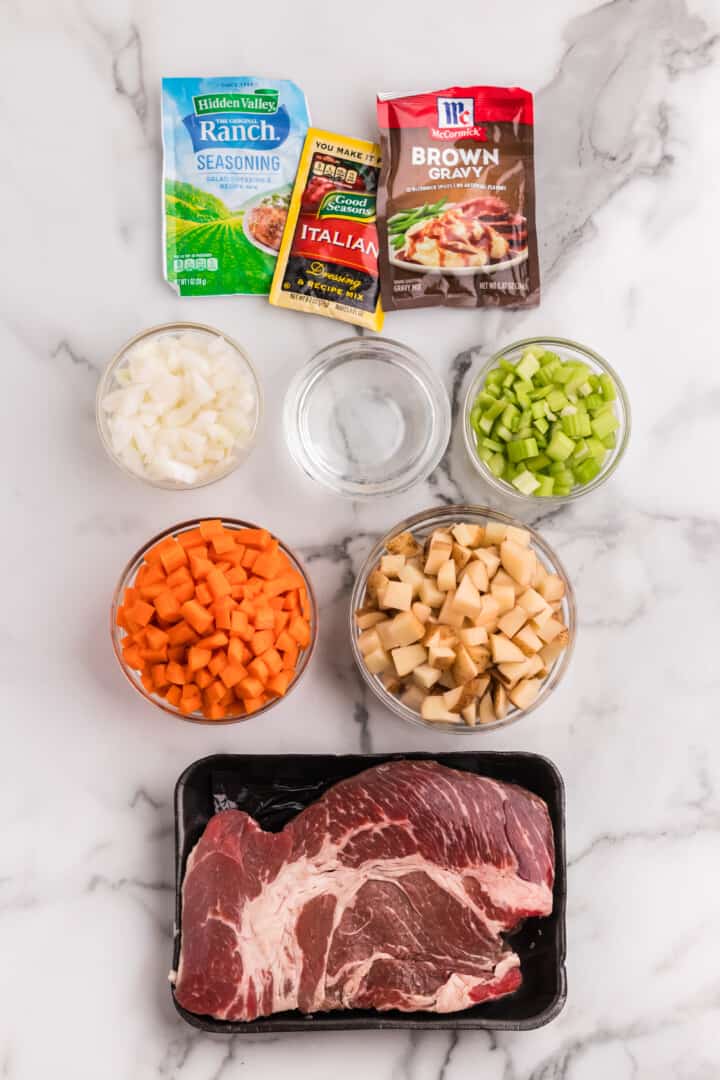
[{"x": 328, "y": 260}]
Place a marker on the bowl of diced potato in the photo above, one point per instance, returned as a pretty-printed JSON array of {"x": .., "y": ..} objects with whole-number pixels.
[{"x": 462, "y": 619}]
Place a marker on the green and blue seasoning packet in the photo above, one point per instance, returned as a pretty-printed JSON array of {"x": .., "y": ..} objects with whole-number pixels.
[{"x": 231, "y": 148}]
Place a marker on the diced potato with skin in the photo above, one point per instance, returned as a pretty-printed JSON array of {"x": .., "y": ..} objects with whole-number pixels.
[
  {"x": 518, "y": 536},
  {"x": 467, "y": 600},
  {"x": 449, "y": 614},
  {"x": 477, "y": 571},
  {"x": 421, "y": 612},
  {"x": 446, "y": 680},
  {"x": 512, "y": 621},
  {"x": 552, "y": 588},
  {"x": 446, "y": 577},
  {"x": 404, "y": 629},
  {"x": 397, "y": 595},
  {"x": 377, "y": 583},
  {"x": 511, "y": 673},
  {"x": 503, "y": 578},
  {"x": 436, "y": 557},
  {"x": 378, "y": 661},
  {"x": 528, "y": 641},
  {"x": 434, "y": 708},
  {"x": 500, "y": 700},
  {"x": 413, "y": 577},
  {"x": 391, "y": 565},
  {"x": 441, "y": 656},
  {"x": 549, "y": 653},
  {"x": 503, "y": 650},
  {"x": 480, "y": 655},
  {"x": 550, "y": 630},
  {"x": 391, "y": 682},
  {"x": 469, "y": 714},
  {"x": 495, "y": 533},
  {"x": 526, "y": 691},
  {"x": 541, "y": 617},
  {"x": 369, "y": 641},
  {"x": 430, "y": 594},
  {"x": 413, "y": 697},
  {"x": 539, "y": 576},
  {"x": 486, "y": 713},
  {"x": 490, "y": 558},
  {"x": 425, "y": 676},
  {"x": 365, "y": 620},
  {"x": 452, "y": 698},
  {"x": 473, "y": 635},
  {"x": 489, "y": 613},
  {"x": 468, "y": 536},
  {"x": 437, "y": 634},
  {"x": 439, "y": 536},
  {"x": 408, "y": 657},
  {"x": 504, "y": 595},
  {"x": 532, "y": 602},
  {"x": 461, "y": 556},
  {"x": 404, "y": 544},
  {"x": 518, "y": 561},
  {"x": 477, "y": 687},
  {"x": 464, "y": 669}
]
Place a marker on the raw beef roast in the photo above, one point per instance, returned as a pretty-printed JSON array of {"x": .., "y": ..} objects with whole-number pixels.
[{"x": 392, "y": 891}]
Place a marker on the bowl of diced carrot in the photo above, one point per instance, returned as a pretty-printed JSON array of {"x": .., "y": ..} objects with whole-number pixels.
[{"x": 214, "y": 621}]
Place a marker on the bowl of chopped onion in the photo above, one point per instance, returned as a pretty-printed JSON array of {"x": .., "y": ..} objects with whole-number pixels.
[{"x": 179, "y": 406}]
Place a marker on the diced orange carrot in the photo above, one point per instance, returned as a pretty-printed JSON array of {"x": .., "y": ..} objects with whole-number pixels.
[
  {"x": 214, "y": 712},
  {"x": 218, "y": 662},
  {"x": 218, "y": 584},
  {"x": 277, "y": 603},
  {"x": 300, "y": 631},
  {"x": 211, "y": 528},
  {"x": 235, "y": 555},
  {"x": 203, "y": 594},
  {"x": 264, "y": 619},
  {"x": 240, "y": 624},
  {"x": 290, "y": 658},
  {"x": 147, "y": 680},
  {"x": 236, "y": 575},
  {"x": 249, "y": 557},
  {"x": 279, "y": 683},
  {"x": 151, "y": 592},
  {"x": 132, "y": 657},
  {"x": 223, "y": 542},
  {"x": 305, "y": 607},
  {"x": 176, "y": 653},
  {"x": 256, "y": 538},
  {"x": 272, "y": 660},
  {"x": 259, "y": 670},
  {"x": 178, "y": 577},
  {"x": 184, "y": 591},
  {"x": 190, "y": 699},
  {"x": 232, "y": 674},
  {"x": 203, "y": 678},
  {"x": 159, "y": 674},
  {"x": 173, "y": 696},
  {"x": 218, "y": 640},
  {"x": 267, "y": 565},
  {"x": 237, "y": 652},
  {"x": 154, "y": 656},
  {"x": 173, "y": 557},
  {"x": 153, "y": 574},
  {"x": 167, "y": 606},
  {"x": 250, "y": 687},
  {"x": 282, "y": 618},
  {"x": 214, "y": 692},
  {"x": 285, "y": 642},
  {"x": 237, "y": 592},
  {"x": 155, "y": 553},
  {"x": 181, "y": 634},
  {"x": 253, "y": 588},
  {"x": 227, "y": 700},
  {"x": 175, "y": 673},
  {"x": 261, "y": 640},
  {"x": 199, "y": 568},
  {"x": 190, "y": 538},
  {"x": 155, "y": 637},
  {"x": 199, "y": 617},
  {"x": 283, "y": 583},
  {"x": 198, "y": 658},
  {"x": 222, "y": 610},
  {"x": 141, "y": 613},
  {"x": 130, "y": 597},
  {"x": 252, "y": 705}
]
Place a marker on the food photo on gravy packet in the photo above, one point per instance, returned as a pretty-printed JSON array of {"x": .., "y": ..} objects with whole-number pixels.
[
  {"x": 456, "y": 201},
  {"x": 328, "y": 262},
  {"x": 230, "y": 152}
]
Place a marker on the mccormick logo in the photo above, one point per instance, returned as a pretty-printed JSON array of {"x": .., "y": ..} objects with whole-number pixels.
[
  {"x": 456, "y": 119},
  {"x": 262, "y": 101}
]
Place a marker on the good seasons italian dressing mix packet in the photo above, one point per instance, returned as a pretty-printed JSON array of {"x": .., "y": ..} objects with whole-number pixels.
[
  {"x": 456, "y": 204},
  {"x": 231, "y": 147},
  {"x": 328, "y": 262}
]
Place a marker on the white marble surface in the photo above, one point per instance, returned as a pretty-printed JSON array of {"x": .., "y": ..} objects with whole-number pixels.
[{"x": 627, "y": 177}]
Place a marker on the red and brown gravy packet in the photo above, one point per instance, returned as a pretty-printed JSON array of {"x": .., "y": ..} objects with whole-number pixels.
[{"x": 456, "y": 201}]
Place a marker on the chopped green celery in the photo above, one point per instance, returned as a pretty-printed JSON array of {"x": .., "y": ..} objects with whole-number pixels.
[
  {"x": 593, "y": 402},
  {"x": 563, "y": 374},
  {"x": 604, "y": 425},
  {"x": 608, "y": 388},
  {"x": 508, "y": 381},
  {"x": 484, "y": 425},
  {"x": 594, "y": 381},
  {"x": 537, "y": 409},
  {"x": 526, "y": 482},
  {"x": 556, "y": 400},
  {"x": 576, "y": 425},
  {"x": 540, "y": 393},
  {"x": 506, "y": 365},
  {"x": 484, "y": 454},
  {"x": 566, "y": 478},
  {"x": 585, "y": 390},
  {"x": 587, "y": 470},
  {"x": 510, "y": 396},
  {"x": 544, "y": 379},
  {"x": 491, "y": 444},
  {"x": 596, "y": 448},
  {"x": 519, "y": 449},
  {"x": 609, "y": 442},
  {"x": 494, "y": 409},
  {"x": 547, "y": 484},
  {"x": 561, "y": 489},
  {"x": 541, "y": 424},
  {"x": 501, "y": 432},
  {"x": 494, "y": 377},
  {"x": 522, "y": 395},
  {"x": 549, "y": 358},
  {"x": 528, "y": 365},
  {"x": 509, "y": 413},
  {"x": 560, "y": 446},
  {"x": 573, "y": 386},
  {"x": 606, "y": 407},
  {"x": 493, "y": 390},
  {"x": 482, "y": 400},
  {"x": 556, "y": 467},
  {"x": 526, "y": 418},
  {"x": 540, "y": 440},
  {"x": 534, "y": 350},
  {"x": 538, "y": 463},
  {"x": 496, "y": 464},
  {"x": 524, "y": 433},
  {"x": 580, "y": 452},
  {"x": 511, "y": 470}
]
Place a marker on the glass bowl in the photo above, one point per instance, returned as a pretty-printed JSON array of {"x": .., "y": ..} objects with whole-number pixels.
[
  {"x": 117, "y": 633},
  {"x": 367, "y": 416},
  {"x": 573, "y": 351},
  {"x": 107, "y": 384},
  {"x": 421, "y": 525}
]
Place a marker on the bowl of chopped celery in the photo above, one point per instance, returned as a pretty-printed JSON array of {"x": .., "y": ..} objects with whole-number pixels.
[{"x": 548, "y": 418}]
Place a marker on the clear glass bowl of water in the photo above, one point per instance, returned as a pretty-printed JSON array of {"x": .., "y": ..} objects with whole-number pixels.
[{"x": 367, "y": 416}]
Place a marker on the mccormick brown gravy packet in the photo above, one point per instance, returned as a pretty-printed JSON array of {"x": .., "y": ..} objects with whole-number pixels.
[{"x": 456, "y": 202}]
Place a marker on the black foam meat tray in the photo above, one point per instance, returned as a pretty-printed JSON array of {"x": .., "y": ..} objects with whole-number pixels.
[{"x": 274, "y": 788}]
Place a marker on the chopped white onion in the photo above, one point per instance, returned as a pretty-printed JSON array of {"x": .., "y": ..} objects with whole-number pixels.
[{"x": 181, "y": 407}]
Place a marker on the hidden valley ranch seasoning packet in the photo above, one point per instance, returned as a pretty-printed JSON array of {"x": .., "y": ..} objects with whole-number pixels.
[
  {"x": 230, "y": 152},
  {"x": 328, "y": 263}
]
